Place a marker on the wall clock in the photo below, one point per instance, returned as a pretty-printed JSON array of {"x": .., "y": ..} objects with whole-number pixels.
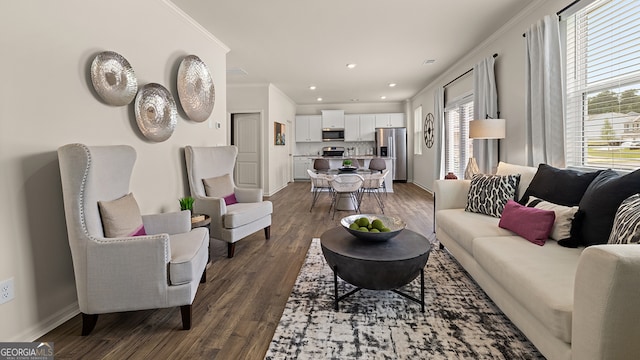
[{"x": 428, "y": 130}]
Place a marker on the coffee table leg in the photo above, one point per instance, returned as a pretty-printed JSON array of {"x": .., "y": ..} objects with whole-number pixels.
[
  {"x": 422, "y": 289},
  {"x": 335, "y": 287}
]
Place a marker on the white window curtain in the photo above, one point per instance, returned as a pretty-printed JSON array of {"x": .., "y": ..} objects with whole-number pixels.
[
  {"x": 544, "y": 98},
  {"x": 438, "y": 111},
  {"x": 485, "y": 101}
]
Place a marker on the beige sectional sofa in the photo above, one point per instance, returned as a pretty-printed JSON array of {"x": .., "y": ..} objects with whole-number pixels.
[{"x": 581, "y": 303}]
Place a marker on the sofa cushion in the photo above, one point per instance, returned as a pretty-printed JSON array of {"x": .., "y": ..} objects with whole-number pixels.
[
  {"x": 185, "y": 248},
  {"x": 600, "y": 202},
  {"x": 465, "y": 226},
  {"x": 626, "y": 224},
  {"x": 559, "y": 186},
  {"x": 489, "y": 193},
  {"x": 219, "y": 186},
  {"x": 541, "y": 278},
  {"x": 564, "y": 217},
  {"x": 526, "y": 175},
  {"x": 121, "y": 217},
  {"x": 240, "y": 214},
  {"x": 530, "y": 223}
]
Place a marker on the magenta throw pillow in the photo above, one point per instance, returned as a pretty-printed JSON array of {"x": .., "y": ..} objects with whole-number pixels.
[
  {"x": 230, "y": 199},
  {"x": 531, "y": 223}
]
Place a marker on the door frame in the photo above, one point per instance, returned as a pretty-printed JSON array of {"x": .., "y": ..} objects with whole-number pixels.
[{"x": 262, "y": 154}]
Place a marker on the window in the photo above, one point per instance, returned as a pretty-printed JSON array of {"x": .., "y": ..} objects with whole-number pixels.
[
  {"x": 458, "y": 148},
  {"x": 603, "y": 85},
  {"x": 418, "y": 136}
]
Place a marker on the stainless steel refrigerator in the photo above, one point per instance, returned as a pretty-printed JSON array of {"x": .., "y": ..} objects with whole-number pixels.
[{"x": 392, "y": 142}]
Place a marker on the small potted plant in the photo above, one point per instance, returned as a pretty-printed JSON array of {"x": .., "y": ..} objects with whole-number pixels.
[
  {"x": 347, "y": 163},
  {"x": 186, "y": 203}
]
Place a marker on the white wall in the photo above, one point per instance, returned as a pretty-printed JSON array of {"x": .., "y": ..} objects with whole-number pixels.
[
  {"x": 509, "y": 44},
  {"x": 283, "y": 110},
  {"x": 274, "y": 106},
  {"x": 48, "y": 101}
]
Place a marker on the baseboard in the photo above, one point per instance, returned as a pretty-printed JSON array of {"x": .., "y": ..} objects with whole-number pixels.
[{"x": 48, "y": 324}]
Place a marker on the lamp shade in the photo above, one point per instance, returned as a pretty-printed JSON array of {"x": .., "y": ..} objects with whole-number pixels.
[{"x": 487, "y": 129}]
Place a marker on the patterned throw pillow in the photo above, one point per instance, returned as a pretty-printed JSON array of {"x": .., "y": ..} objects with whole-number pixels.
[
  {"x": 626, "y": 225},
  {"x": 488, "y": 194}
]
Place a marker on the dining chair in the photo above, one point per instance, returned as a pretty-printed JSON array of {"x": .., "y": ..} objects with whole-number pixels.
[
  {"x": 379, "y": 165},
  {"x": 319, "y": 183},
  {"x": 346, "y": 192},
  {"x": 321, "y": 164},
  {"x": 372, "y": 185}
]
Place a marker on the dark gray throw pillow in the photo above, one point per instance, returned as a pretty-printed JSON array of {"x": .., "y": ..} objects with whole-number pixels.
[
  {"x": 599, "y": 204},
  {"x": 559, "y": 186}
]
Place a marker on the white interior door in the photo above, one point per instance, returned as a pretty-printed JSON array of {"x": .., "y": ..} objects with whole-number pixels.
[{"x": 246, "y": 136}]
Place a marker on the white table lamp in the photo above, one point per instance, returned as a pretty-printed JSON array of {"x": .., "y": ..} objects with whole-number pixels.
[{"x": 484, "y": 129}]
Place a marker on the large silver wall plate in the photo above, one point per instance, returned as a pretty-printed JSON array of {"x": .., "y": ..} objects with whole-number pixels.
[
  {"x": 113, "y": 78},
  {"x": 195, "y": 88},
  {"x": 156, "y": 112}
]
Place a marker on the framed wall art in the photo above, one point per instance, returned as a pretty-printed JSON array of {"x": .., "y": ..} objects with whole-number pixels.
[{"x": 278, "y": 133}]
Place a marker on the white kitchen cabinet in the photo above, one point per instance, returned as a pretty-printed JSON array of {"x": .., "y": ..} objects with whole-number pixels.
[
  {"x": 359, "y": 127},
  {"x": 300, "y": 166},
  {"x": 390, "y": 120},
  {"x": 333, "y": 119},
  {"x": 308, "y": 128}
]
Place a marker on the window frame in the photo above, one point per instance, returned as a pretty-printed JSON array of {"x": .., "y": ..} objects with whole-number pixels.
[{"x": 464, "y": 144}]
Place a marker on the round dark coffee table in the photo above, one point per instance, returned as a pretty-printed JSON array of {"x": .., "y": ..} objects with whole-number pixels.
[{"x": 385, "y": 265}]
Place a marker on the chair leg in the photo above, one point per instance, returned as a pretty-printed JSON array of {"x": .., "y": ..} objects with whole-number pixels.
[
  {"x": 267, "y": 232},
  {"x": 185, "y": 310},
  {"x": 203, "y": 278},
  {"x": 231, "y": 249},
  {"x": 89, "y": 322}
]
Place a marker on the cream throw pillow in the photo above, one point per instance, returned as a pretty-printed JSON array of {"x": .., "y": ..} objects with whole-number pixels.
[
  {"x": 121, "y": 217},
  {"x": 219, "y": 186},
  {"x": 564, "y": 217}
]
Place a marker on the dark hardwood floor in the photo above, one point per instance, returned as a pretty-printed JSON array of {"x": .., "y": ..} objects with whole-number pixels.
[{"x": 236, "y": 311}]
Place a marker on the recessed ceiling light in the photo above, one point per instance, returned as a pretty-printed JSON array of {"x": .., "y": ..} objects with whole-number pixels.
[
  {"x": 392, "y": 85},
  {"x": 319, "y": 99},
  {"x": 428, "y": 62},
  {"x": 312, "y": 87},
  {"x": 383, "y": 97},
  {"x": 351, "y": 66},
  {"x": 354, "y": 100}
]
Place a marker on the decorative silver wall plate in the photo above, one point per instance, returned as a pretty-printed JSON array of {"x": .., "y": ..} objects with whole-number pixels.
[
  {"x": 113, "y": 78},
  {"x": 156, "y": 112},
  {"x": 195, "y": 88}
]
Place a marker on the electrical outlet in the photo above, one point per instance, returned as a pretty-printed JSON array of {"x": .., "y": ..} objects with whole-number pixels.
[{"x": 6, "y": 291}]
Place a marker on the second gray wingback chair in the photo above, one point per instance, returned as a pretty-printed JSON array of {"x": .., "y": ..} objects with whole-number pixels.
[
  {"x": 213, "y": 166},
  {"x": 113, "y": 274}
]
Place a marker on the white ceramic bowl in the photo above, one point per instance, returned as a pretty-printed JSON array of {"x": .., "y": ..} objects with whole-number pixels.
[{"x": 393, "y": 223}]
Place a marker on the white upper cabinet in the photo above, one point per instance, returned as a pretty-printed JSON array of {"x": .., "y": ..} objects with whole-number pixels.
[
  {"x": 390, "y": 120},
  {"x": 308, "y": 128},
  {"x": 333, "y": 119},
  {"x": 359, "y": 127}
]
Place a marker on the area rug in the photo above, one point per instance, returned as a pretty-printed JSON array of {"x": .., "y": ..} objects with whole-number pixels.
[{"x": 459, "y": 322}]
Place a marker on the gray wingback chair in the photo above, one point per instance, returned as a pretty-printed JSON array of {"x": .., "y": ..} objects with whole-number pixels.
[
  {"x": 158, "y": 270},
  {"x": 232, "y": 222}
]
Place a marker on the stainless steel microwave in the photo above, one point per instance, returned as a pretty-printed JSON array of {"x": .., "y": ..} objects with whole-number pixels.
[{"x": 332, "y": 134}]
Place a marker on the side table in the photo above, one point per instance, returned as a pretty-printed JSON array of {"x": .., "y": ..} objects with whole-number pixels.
[{"x": 206, "y": 222}]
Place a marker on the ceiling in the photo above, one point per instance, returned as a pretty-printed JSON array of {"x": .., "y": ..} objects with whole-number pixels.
[{"x": 294, "y": 44}]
